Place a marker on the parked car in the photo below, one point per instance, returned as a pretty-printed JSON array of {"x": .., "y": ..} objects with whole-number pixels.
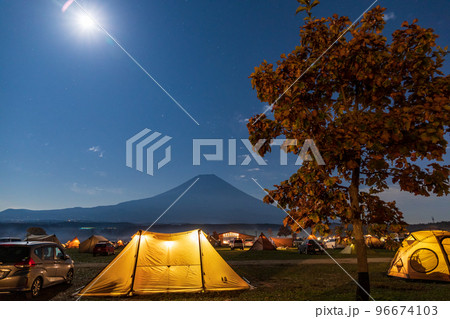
[
  {"x": 310, "y": 247},
  {"x": 297, "y": 242},
  {"x": 9, "y": 239},
  {"x": 248, "y": 242},
  {"x": 103, "y": 248},
  {"x": 30, "y": 266},
  {"x": 333, "y": 243},
  {"x": 236, "y": 243}
]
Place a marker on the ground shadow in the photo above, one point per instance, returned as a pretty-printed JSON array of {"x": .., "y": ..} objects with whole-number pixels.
[{"x": 46, "y": 294}]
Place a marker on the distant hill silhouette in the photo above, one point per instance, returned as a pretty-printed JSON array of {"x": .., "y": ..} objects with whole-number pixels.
[
  {"x": 444, "y": 225},
  {"x": 210, "y": 201}
]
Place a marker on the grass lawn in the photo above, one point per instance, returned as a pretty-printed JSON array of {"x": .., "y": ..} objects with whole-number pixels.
[{"x": 304, "y": 282}]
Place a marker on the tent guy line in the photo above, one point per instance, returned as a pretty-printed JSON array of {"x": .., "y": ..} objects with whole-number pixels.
[
  {"x": 301, "y": 75},
  {"x": 135, "y": 61},
  {"x": 128, "y": 246},
  {"x": 335, "y": 261}
]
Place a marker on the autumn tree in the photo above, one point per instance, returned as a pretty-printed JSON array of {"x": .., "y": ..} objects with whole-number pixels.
[
  {"x": 378, "y": 112},
  {"x": 285, "y": 230}
]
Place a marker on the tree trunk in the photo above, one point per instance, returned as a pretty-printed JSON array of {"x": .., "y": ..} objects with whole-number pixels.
[{"x": 363, "y": 289}]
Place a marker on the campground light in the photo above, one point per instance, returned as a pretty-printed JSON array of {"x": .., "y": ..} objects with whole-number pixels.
[
  {"x": 169, "y": 243},
  {"x": 194, "y": 236}
]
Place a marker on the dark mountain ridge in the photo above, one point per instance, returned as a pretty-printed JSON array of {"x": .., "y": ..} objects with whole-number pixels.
[{"x": 211, "y": 200}]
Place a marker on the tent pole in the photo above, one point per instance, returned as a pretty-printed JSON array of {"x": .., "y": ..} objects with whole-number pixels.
[
  {"x": 446, "y": 258},
  {"x": 135, "y": 264},
  {"x": 201, "y": 260}
]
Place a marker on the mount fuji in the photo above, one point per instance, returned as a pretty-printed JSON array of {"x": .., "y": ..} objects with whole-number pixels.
[{"x": 210, "y": 200}]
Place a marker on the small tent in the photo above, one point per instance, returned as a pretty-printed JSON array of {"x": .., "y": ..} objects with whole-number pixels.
[
  {"x": 88, "y": 245},
  {"x": 51, "y": 238},
  {"x": 263, "y": 243},
  {"x": 120, "y": 243},
  {"x": 349, "y": 250},
  {"x": 161, "y": 263},
  {"x": 74, "y": 243},
  {"x": 283, "y": 242},
  {"x": 423, "y": 255}
]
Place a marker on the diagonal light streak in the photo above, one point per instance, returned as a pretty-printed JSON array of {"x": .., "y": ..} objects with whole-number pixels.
[
  {"x": 301, "y": 75},
  {"x": 135, "y": 61}
]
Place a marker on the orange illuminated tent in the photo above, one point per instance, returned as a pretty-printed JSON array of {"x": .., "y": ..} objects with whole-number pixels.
[
  {"x": 283, "y": 242},
  {"x": 120, "y": 243},
  {"x": 162, "y": 263},
  {"x": 74, "y": 243},
  {"x": 423, "y": 255}
]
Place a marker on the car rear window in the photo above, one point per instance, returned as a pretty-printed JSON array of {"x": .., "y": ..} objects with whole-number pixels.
[
  {"x": 100, "y": 245},
  {"x": 238, "y": 241},
  {"x": 13, "y": 254}
]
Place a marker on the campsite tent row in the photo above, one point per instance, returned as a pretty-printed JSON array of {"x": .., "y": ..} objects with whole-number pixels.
[
  {"x": 224, "y": 239},
  {"x": 187, "y": 262},
  {"x": 88, "y": 245}
]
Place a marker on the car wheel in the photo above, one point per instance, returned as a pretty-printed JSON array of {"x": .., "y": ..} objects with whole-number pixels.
[
  {"x": 36, "y": 287},
  {"x": 69, "y": 277}
]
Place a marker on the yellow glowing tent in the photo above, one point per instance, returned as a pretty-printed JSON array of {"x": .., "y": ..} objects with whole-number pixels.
[
  {"x": 74, "y": 243},
  {"x": 156, "y": 263},
  {"x": 423, "y": 255},
  {"x": 88, "y": 245},
  {"x": 349, "y": 250}
]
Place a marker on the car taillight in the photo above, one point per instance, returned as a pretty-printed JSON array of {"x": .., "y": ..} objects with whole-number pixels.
[{"x": 26, "y": 264}]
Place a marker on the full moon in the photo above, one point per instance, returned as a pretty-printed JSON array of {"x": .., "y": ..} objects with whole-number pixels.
[{"x": 86, "y": 22}]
